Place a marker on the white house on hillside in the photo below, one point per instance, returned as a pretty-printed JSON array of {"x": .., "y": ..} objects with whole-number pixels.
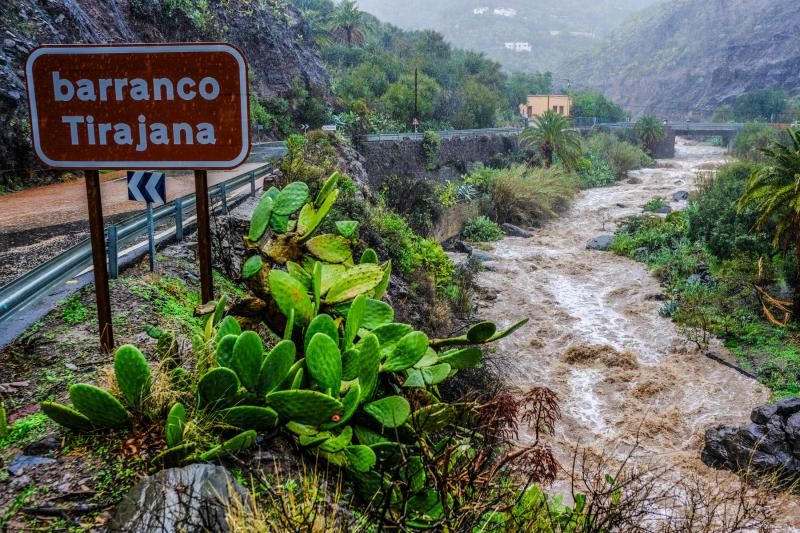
[
  {"x": 480, "y": 10},
  {"x": 505, "y": 12}
]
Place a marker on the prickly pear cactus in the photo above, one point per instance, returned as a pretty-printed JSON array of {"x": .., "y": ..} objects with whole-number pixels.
[
  {"x": 133, "y": 374},
  {"x": 217, "y": 388},
  {"x": 99, "y": 406},
  {"x": 67, "y": 417},
  {"x": 306, "y": 406}
]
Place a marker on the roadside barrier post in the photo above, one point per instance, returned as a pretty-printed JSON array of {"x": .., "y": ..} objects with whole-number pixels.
[
  {"x": 253, "y": 183},
  {"x": 179, "y": 219},
  {"x": 151, "y": 236},
  {"x": 113, "y": 250},
  {"x": 204, "y": 236}
]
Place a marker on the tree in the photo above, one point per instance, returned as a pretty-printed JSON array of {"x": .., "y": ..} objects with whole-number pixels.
[
  {"x": 650, "y": 132},
  {"x": 520, "y": 84},
  {"x": 774, "y": 192},
  {"x": 349, "y": 24},
  {"x": 766, "y": 105},
  {"x": 592, "y": 104},
  {"x": 399, "y": 98},
  {"x": 550, "y": 134}
]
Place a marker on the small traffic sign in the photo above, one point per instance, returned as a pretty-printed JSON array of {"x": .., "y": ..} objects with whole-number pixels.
[{"x": 147, "y": 187}]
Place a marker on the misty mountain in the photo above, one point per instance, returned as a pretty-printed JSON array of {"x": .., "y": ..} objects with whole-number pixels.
[
  {"x": 685, "y": 57},
  {"x": 541, "y": 33}
]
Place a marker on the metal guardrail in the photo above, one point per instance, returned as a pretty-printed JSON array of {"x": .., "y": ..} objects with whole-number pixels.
[
  {"x": 446, "y": 134},
  {"x": 28, "y": 288}
]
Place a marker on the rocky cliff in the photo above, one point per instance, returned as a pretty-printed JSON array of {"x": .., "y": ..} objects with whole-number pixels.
[
  {"x": 685, "y": 57},
  {"x": 273, "y": 36}
]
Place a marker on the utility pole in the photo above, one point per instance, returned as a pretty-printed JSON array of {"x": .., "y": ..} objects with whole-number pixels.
[{"x": 416, "y": 92}]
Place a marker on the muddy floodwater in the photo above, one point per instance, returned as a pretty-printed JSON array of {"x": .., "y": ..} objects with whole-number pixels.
[{"x": 622, "y": 372}]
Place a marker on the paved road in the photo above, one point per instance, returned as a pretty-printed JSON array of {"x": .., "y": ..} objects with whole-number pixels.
[{"x": 62, "y": 203}]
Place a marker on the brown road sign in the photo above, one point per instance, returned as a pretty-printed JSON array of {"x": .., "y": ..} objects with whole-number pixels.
[
  {"x": 164, "y": 106},
  {"x": 139, "y": 106}
]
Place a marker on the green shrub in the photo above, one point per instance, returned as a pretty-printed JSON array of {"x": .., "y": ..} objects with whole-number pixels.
[
  {"x": 529, "y": 196},
  {"x": 409, "y": 252},
  {"x": 714, "y": 220},
  {"x": 753, "y": 138},
  {"x": 431, "y": 144},
  {"x": 621, "y": 156},
  {"x": 655, "y": 203},
  {"x": 481, "y": 178},
  {"x": 420, "y": 202},
  {"x": 595, "y": 172},
  {"x": 482, "y": 229}
]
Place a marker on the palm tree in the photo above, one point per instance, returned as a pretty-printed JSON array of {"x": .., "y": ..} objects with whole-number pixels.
[
  {"x": 550, "y": 134},
  {"x": 650, "y": 132},
  {"x": 774, "y": 192},
  {"x": 349, "y": 24}
]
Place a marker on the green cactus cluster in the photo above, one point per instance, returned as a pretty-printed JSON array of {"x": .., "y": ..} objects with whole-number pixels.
[{"x": 337, "y": 373}]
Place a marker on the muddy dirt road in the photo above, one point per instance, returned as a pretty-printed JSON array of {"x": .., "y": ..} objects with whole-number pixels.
[{"x": 595, "y": 335}]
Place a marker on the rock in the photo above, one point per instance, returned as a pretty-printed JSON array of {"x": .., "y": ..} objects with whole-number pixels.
[
  {"x": 20, "y": 463},
  {"x": 71, "y": 366},
  {"x": 227, "y": 231},
  {"x": 479, "y": 255},
  {"x": 634, "y": 181},
  {"x": 680, "y": 196},
  {"x": 193, "y": 498},
  {"x": 621, "y": 205},
  {"x": 663, "y": 210},
  {"x": 770, "y": 444},
  {"x": 641, "y": 251},
  {"x": 43, "y": 446},
  {"x": 515, "y": 231},
  {"x": 462, "y": 247},
  {"x": 21, "y": 482},
  {"x": 9, "y": 43},
  {"x": 601, "y": 242}
]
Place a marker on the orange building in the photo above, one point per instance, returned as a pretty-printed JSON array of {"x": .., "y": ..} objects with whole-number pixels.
[{"x": 537, "y": 104}]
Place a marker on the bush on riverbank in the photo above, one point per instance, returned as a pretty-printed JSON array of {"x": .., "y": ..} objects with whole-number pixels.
[
  {"x": 712, "y": 294},
  {"x": 620, "y": 155}
]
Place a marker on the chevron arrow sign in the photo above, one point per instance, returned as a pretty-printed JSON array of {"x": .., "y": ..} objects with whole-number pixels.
[{"x": 147, "y": 187}]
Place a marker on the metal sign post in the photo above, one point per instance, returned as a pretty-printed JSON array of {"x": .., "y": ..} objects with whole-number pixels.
[
  {"x": 145, "y": 106},
  {"x": 148, "y": 187}
]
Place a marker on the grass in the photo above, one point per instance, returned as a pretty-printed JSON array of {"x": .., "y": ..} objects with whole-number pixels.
[
  {"x": 74, "y": 312},
  {"x": 654, "y": 204},
  {"x": 530, "y": 196},
  {"x": 25, "y": 430}
]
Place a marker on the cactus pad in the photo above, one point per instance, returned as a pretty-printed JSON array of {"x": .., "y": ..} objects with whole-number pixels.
[
  {"x": 330, "y": 274},
  {"x": 410, "y": 349},
  {"x": 174, "y": 456},
  {"x": 290, "y": 294},
  {"x": 380, "y": 289},
  {"x": 357, "y": 280},
  {"x": 248, "y": 354},
  {"x": 322, "y": 324},
  {"x": 299, "y": 273},
  {"x": 506, "y": 332},
  {"x": 322, "y": 212},
  {"x": 99, "y": 406},
  {"x": 350, "y": 402},
  {"x": 434, "y": 417},
  {"x": 369, "y": 256},
  {"x": 389, "y": 334},
  {"x": 225, "y": 350},
  {"x": 305, "y": 218},
  {"x": 390, "y": 412},
  {"x": 368, "y": 366},
  {"x": 324, "y": 363},
  {"x": 252, "y": 266},
  {"x": 337, "y": 444},
  {"x": 228, "y": 326},
  {"x": 306, "y": 407},
  {"x": 239, "y": 443},
  {"x": 355, "y": 317},
  {"x": 377, "y": 314},
  {"x": 481, "y": 332},
  {"x": 279, "y": 223},
  {"x": 464, "y": 358},
  {"x": 217, "y": 388},
  {"x": 427, "y": 376},
  {"x": 260, "y": 218},
  {"x": 133, "y": 375},
  {"x": 347, "y": 228},
  {"x": 327, "y": 189},
  {"x": 330, "y": 248},
  {"x": 250, "y": 417},
  {"x": 276, "y": 367},
  {"x": 176, "y": 419},
  {"x": 367, "y": 436},
  {"x": 360, "y": 457},
  {"x": 290, "y": 199},
  {"x": 67, "y": 417}
]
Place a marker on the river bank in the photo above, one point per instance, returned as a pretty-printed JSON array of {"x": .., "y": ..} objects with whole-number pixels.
[{"x": 625, "y": 376}]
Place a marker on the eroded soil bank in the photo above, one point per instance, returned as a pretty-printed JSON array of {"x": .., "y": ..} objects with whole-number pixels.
[{"x": 623, "y": 373}]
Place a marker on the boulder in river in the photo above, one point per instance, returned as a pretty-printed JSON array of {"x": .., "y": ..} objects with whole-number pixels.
[
  {"x": 193, "y": 498},
  {"x": 680, "y": 196},
  {"x": 770, "y": 444},
  {"x": 663, "y": 210},
  {"x": 515, "y": 231},
  {"x": 601, "y": 242}
]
